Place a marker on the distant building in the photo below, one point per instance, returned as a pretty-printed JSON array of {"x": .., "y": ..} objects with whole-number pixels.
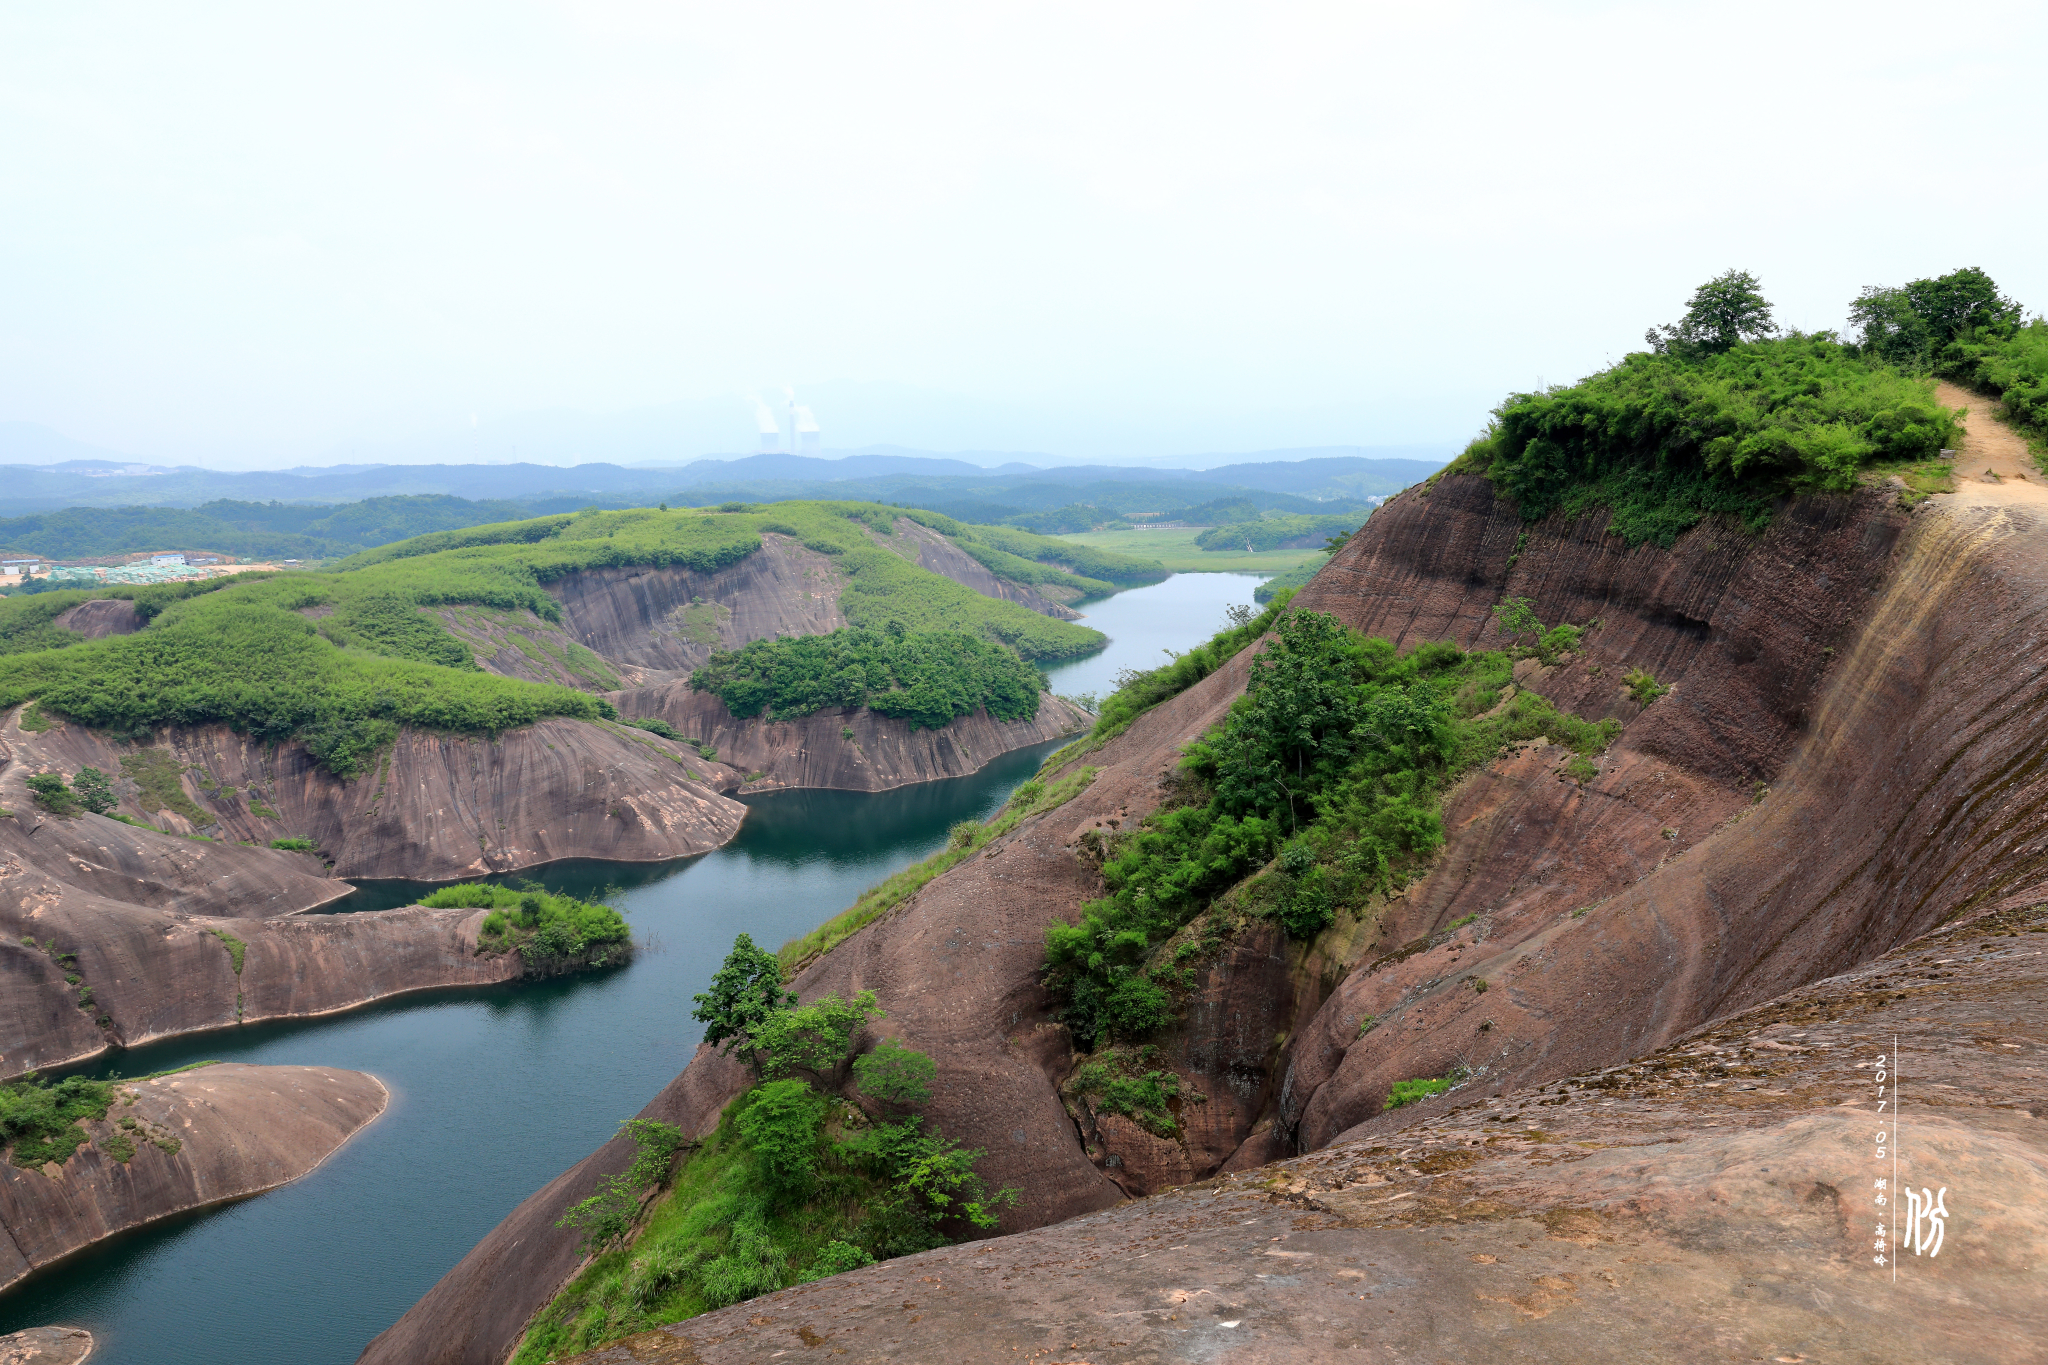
[
  {"x": 167, "y": 559},
  {"x": 809, "y": 441},
  {"x": 20, "y": 565},
  {"x": 205, "y": 559}
]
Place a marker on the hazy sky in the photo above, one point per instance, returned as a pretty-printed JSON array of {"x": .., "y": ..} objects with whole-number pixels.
[{"x": 269, "y": 234}]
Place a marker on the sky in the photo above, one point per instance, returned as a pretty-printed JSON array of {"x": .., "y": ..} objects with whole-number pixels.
[{"x": 260, "y": 235}]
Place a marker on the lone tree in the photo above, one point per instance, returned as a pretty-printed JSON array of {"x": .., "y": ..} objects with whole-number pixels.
[
  {"x": 94, "y": 791},
  {"x": 1725, "y": 311},
  {"x": 743, "y": 996}
]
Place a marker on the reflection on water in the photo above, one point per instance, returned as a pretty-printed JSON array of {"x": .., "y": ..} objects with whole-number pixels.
[{"x": 496, "y": 1090}]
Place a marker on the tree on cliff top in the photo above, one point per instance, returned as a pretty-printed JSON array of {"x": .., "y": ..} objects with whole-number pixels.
[{"x": 1724, "y": 312}]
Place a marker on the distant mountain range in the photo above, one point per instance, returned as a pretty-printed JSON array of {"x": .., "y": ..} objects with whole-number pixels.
[{"x": 99, "y": 480}]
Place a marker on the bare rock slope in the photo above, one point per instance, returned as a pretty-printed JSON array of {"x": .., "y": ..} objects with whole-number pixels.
[{"x": 193, "y": 1139}]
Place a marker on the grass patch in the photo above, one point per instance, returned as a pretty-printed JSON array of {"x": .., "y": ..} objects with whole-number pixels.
[
  {"x": 1118, "y": 1081},
  {"x": 237, "y": 949},
  {"x": 1032, "y": 798},
  {"x": 1408, "y": 1092},
  {"x": 33, "y": 720},
  {"x": 156, "y": 774},
  {"x": 294, "y": 845}
]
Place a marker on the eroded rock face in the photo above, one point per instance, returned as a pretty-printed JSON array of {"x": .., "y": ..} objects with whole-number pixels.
[
  {"x": 1713, "y": 1202},
  {"x": 818, "y": 750},
  {"x": 194, "y": 1139},
  {"x": 101, "y": 617},
  {"x": 437, "y": 807},
  {"x": 642, "y": 619},
  {"x": 942, "y": 556}
]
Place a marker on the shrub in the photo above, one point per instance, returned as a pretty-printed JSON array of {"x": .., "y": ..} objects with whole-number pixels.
[
  {"x": 294, "y": 845},
  {"x": 52, "y": 795},
  {"x": 94, "y": 791},
  {"x": 40, "y": 1120},
  {"x": 836, "y": 1259},
  {"x": 1408, "y": 1092},
  {"x": 655, "y": 725},
  {"x": 1643, "y": 687}
]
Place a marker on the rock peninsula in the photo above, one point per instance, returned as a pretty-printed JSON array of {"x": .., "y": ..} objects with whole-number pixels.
[{"x": 179, "y": 1142}]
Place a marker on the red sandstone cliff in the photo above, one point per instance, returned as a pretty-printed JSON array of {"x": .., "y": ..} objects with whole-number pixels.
[{"x": 195, "y": 1139}]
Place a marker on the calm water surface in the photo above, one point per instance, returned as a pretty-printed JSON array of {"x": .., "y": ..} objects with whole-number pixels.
[{"x": 495, "y": 1091}]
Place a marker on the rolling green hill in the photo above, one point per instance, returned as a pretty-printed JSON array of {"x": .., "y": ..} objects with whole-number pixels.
[{"x": 343, "y": 657}]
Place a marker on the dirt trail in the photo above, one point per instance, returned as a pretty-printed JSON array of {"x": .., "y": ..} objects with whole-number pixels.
[{"x": 1993, "y": 455}]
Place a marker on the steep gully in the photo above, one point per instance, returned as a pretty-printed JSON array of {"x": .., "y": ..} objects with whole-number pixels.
[{"x": 1843, "y": 764}]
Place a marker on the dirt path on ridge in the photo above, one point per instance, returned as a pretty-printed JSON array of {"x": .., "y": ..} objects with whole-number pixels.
[{"x": 1993, "y": 455}]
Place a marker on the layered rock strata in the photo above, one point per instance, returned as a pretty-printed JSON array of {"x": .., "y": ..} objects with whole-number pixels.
[{"x": 191, "y": 1140}]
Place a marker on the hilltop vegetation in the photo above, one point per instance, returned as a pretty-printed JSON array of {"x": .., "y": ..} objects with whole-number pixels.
[
  {"x": 343, "y": 658},
  {"x": 1723, "y": 418},
  {"x": 926, "y": 677}
]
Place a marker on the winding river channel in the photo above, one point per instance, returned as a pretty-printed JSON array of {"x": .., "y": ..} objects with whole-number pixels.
[{"x": 494, "y": 1092}]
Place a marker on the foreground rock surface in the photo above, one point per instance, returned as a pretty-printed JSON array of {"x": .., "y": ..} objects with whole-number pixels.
[
  {"x": 1713, "y": 1202},
  {"x": 46, "y": 1346},
  {"x": 199, "y": 1138}
]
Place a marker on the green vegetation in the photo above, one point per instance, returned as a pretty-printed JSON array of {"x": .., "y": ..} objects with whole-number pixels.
[
  {"x": 1087, "y": 561},
  {"x": 93, "y": 790},
  {"x": 342, "y": 659},
  {"x": 1722, "y": 314},
  {"x": 1029, "y": 799},
  {"x": 1665, "y": 439},
  {"x": 40, "y": 1120},
  {"x": 819, "y": 1168},
  {"x": 1408, "y": 1092},
  {"x": 52, "y": 795},
  {"x": 1117, "y": 1081},
  {"x": 927, "y": 677},
  {"x": 1913, "y": 325},
  {"x": 237, "y": 949},
  {"x": 294, "y": 845},
  {"x": 552, "y": 934},
  {"x": 1325, "y": 781},
  {"x": 156, "y": 774},
  {"x": 1178, "y": 552},
  {"x": 1138, "y": 692},
  {"x": 1643, "y": 687},
  {"x": 2013, "y": 366},
  {"x": 1269, "y": 532}
]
